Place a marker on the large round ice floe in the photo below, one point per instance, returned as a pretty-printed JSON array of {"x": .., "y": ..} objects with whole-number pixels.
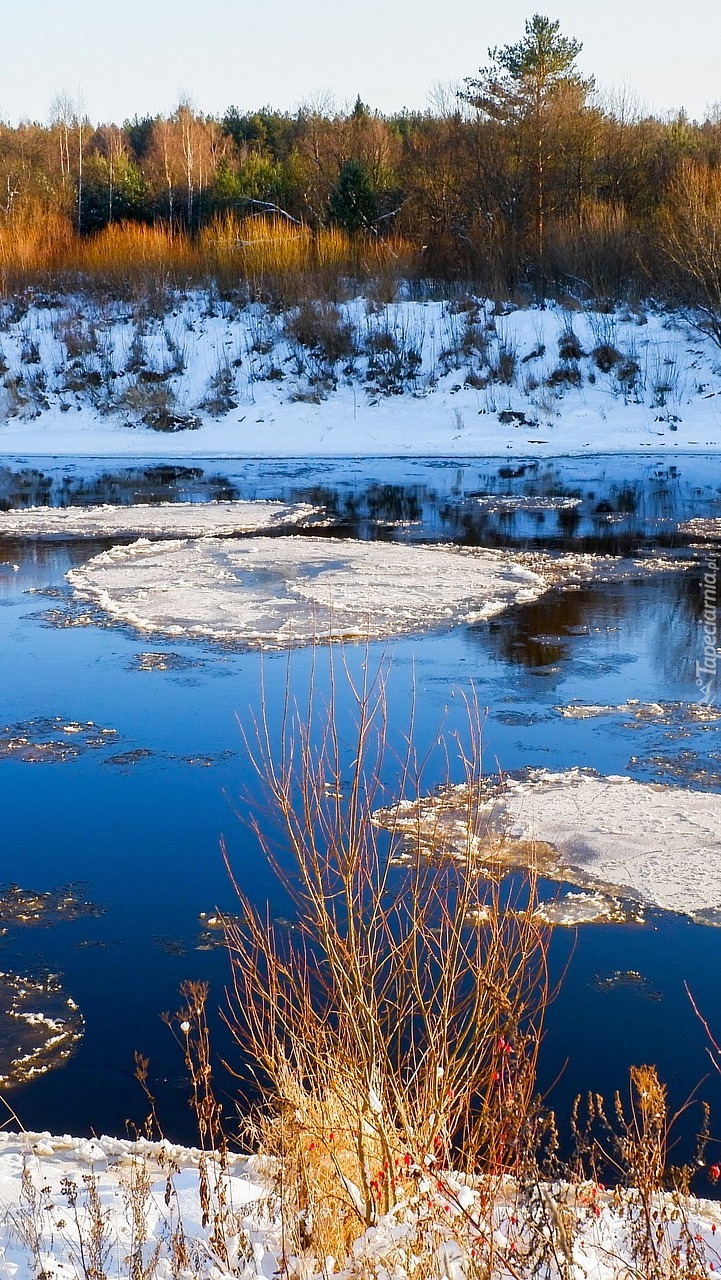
[
  {"x": 163, "y": 520},
  {"x": 275, "y": 592},
  {"x": 657, "y": 845}
]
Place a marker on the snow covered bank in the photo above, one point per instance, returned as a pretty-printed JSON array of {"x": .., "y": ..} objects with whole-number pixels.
[
  {"x": 278, "y": 592},
  {"x": 656, "y": 845},
  {"x": 148, "y": 1210},
  {"x": 139, "y": 1207},
  {"x": 422, "y": 378},
  {"x": 166, "y": 520}
]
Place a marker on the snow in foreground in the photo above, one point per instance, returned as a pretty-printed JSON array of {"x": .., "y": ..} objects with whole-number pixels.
[
  {"x": 425, "y": 378},
  {"x": 148, "y": 1222},
  {"x": 277, "y": 592},
  {"x": 165, "y": 520},
  {"x": 659, "y": 846}
]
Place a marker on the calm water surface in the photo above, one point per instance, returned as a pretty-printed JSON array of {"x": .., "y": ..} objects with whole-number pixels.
[{"x": 140, "y": 819}]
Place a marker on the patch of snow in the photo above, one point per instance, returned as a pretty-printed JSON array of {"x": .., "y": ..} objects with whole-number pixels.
[
  {"x": 149, "y": 1199},
  {"x": 447, "y": 399}
]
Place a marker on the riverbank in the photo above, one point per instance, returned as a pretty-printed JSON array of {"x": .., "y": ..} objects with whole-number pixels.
[
  {"x": 137, "y": 1208},
  {"x": 209, "y": 378}
]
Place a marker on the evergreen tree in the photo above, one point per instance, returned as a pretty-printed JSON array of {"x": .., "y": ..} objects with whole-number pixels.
[
  {"x": 352, "y": 203},
  {"x": 521, "y": 88}
]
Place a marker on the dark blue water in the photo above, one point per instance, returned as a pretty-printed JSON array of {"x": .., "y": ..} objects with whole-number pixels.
[{"x": 141, "y": 819}]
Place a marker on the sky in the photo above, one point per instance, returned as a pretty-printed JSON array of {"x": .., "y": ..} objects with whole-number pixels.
[{"x": 126, "y": 57}]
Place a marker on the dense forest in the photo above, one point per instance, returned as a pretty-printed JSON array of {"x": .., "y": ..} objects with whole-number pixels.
[{"x": 524, "y": 182}]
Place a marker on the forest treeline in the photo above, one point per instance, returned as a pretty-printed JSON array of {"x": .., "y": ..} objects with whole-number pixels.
[{"x": 523, "y": 182}]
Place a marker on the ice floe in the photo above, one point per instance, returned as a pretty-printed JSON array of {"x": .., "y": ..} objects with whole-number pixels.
[
  {"x": 164, "y": 520},
  {"x": 654, "y": 845},
  {"x": 32, "y": 907},
  {"x": 273, "y": 592},
  {"x": 278, "y": 592},
  {"x": 500, "y": 504},
  {"x": 708, "y": 528},
  {"x": 667, "y": 714},
  {"x": 588, "y": 907},
  {"x": 40, "y": 1027},
  {"x": 52, "y": 740}
]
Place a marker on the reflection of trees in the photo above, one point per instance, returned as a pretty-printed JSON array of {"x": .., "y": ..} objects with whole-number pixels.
[
  {"x": 660, "y": 614},
  {"x": 677, "y": 641},
  {"x": 540, "y": 633},
  {"x": 163, "y": 483},
  {"x": 394, "y": 502},
  {"x": 54, "y": 557}
]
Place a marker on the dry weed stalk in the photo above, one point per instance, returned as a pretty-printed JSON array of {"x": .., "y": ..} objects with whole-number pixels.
[
  {"x": 662, "y": 1242},
  {"x": 395, "y": 1028},
  {"x": 226, "y": 1237}
]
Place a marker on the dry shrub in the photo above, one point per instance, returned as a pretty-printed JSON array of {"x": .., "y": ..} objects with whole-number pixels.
[
  {"x": 394, "y": 1029},
  {"x": 595, "y": 253},
  {"x": 287, "y": 260},
  {"x": 321, "y": 327},
  {"x": 137, "y": 249},
  {"x": 34, "y": 241},
  {"x": 690, "y": 235},
  {"x": 662, "y": 1242}
]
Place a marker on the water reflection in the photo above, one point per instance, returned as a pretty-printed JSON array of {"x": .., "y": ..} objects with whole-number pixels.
[
  {"x": 616, "y": 505},
  {"x": 662, "y": 613}
]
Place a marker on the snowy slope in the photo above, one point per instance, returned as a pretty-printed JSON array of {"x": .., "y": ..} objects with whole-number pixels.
[{"x": 423, "y": 379}]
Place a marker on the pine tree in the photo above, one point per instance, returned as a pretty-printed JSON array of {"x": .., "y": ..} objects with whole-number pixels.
[
  {"x": 521, "y": 87},
  {"x": 352, "y": 203}
]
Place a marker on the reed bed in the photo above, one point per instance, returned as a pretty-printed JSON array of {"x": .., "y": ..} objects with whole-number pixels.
[{"x": 265, "y": 257}]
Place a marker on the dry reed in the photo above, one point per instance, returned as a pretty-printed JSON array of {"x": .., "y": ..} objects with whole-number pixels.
[{"x": 262, "y": 256}]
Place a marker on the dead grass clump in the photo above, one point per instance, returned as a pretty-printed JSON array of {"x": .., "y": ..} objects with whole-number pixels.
[
  {"x": 569, "y": 347},
  {"x": 564, "y": 375},
  {"x": 606, "y": 357},
  {"x": 156, "y": 406},
  {"x": 221, "y": 395},
  {"x": 321, "y": 327}
]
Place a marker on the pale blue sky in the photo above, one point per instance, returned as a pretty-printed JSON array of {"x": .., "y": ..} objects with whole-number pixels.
[{"x": 128, "y": 56}]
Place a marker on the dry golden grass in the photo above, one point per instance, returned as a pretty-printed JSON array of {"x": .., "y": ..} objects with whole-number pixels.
[{"x": 266, "y": 256}]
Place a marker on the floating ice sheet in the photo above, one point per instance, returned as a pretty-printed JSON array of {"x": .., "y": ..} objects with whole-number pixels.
[
  {"x": 165, "y": 520},
  {"x": 32, "y": 907},
  {"x": 52, "y": 740},
  {"x": 40, "y": 1027},
  {"x": 654, "y": 845},
  {"x": 708, "y": 528},
  {"x": 276, "y": 592},
  {"x": 588, "y": 907},
  {"x": 667, "y": 714},
  {"x": 501, "y": 504}
]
